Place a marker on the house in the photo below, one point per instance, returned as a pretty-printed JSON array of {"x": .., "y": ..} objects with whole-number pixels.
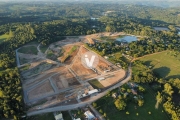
[
  {"x": 126, "y": 93},
  {"x": 134, "y": 92},
  {"x": 92, "y": 18},
  {"x": 77, "y": 119},
  {"x": 89, "y": 115},
  {"x": 135, "y": 97},
  {"x": 132, "y": 85},
  {"x": 106, "y": 57},
  {"x": 118, "y": 64},
  {"x": 107, "y": 71},
  {"x": 100, "y": 79},
  {"x": 58, "y": 116},
  {"x": 114, "y": 95}
]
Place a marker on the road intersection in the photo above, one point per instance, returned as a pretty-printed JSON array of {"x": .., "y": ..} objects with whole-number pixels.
[{"x": 82, "y": 104}]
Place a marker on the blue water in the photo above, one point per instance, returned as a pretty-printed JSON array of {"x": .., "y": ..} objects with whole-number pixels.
[{"x": 127, "y": 39}]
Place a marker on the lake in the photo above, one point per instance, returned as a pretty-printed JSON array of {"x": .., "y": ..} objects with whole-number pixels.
[{"x": 127, "y": 39}]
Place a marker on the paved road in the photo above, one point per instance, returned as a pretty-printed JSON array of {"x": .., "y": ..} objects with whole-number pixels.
[
  {"x": 82, "y": 104},
  {"x": 17, "y": 57},
  {"x": 98, "y": 115}
]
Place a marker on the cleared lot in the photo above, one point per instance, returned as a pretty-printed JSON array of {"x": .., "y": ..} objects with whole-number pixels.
[
  {"x": 30, "y": 49},
  {"x": 64, "y": 79},
  {"x": 40, "y": 90},
  {"x": 46, "y": 78},
  {"x": 43, "y": 66},
  {"x": 113, "y": 78},
  {"x": 69, "y": 52},
  {"x": 81, "y": 71},
  {"x": 43, "y": 76}
]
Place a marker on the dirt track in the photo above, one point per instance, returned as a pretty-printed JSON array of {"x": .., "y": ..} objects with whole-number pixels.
[
  {"x": 64, "y": 79},
  {"x": 41, "y": 90},
  {"x": 71, "y": 74}
]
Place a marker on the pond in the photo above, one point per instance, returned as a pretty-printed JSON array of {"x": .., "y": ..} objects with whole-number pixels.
[
  {"x": 160, "y": 28},
  {"x": 127, "y": 39}
]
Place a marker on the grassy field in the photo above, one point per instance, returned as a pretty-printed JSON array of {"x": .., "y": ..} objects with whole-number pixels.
[
  {"x": 3, "y": 37},
  {"x": 23, "y": 60},
  {"x": 47, "y": 116},
  {"x": 33, "y": 43},
  {"x": 28, "y": 50},
  {"x": 96, "y": 84},
  {"x": 106, "y": 104},
  {"x": 26, "y": 67},
  {"x": 78, "y": 114},
  {"x": 164, "y": 64},
  {"x": 43, "y": 48},
  {"x": 73, "y": 49},
  {"x": 66, "y": 115},
  {"x": 50, "y": 54},
  {"x": 67, "y": 55}
]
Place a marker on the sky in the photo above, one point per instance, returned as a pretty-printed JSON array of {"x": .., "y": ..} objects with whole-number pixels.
[{"x": 88, "y": 0}]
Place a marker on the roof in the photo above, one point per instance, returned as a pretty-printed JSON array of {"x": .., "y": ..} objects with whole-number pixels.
[
  {"x": 77, "y": 119},
  {"x": 93, "y": 91},
  {"x": 89, "y": 115},
  {"x": 58, "y": 116},
  {"x": 133, "y": 91}
]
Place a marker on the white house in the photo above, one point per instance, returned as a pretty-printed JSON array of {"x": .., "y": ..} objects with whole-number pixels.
[
  {"x": 89, "y": 115},
  {"x": 106, "y": 57},
  {"x": 77, "y": 119},
  {"x": 58, "y": 116}
]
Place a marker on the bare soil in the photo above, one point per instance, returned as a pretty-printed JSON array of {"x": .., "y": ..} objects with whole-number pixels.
[
  {"x": 44, "y": 66},
  {"x": 64, "y": 79},
  {"x": 81, "y": 71},
  {"x": 66, "y": 50},
  {"x": 112, "y": 79},
  {"x": 83, "y": 50},
  {"x": 41, "y": 90},
  {"x": 40, "y": 77}
]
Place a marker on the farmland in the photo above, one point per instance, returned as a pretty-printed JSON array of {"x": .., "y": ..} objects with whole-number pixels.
[
  {"x": 106, "y": 105},
  {"x": 165, "y": 64}
]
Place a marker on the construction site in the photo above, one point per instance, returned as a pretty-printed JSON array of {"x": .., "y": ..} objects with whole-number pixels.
[{"x": 48, "y": 82}]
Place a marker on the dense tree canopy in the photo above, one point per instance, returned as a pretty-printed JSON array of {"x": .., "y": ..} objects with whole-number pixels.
[{"x": 48, "y": 23}]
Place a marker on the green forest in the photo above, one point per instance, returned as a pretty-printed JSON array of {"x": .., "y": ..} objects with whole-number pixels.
[{"x": 21, "y": 23}]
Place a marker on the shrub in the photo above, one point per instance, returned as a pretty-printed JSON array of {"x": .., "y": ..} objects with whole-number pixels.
[
  {"x": 94, "y": 104},
  {"x": 101, "y": 111},
  {"x": 127, "y": 113}
]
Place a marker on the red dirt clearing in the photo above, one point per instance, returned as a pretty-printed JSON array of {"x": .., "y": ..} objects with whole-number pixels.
[{"x": 81, "y": 71}]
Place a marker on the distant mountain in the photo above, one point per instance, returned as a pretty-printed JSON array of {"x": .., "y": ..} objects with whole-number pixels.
[{"x": 159, "y": 3}]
